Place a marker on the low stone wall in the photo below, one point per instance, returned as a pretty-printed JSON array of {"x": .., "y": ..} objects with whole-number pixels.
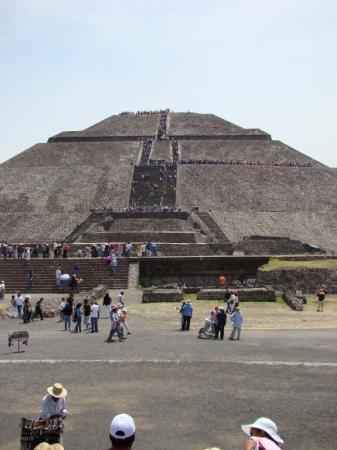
[
  {"x": 162, "y": 295},
  {"x": 185, "y": 237},
  {"x": 308, "y": 280},
  {"x": 78, "y": 138},
  {"x": 245, "y": 294},
  {"x": 291, "y": 300},
  {"x": 200, "y": 272},
  {"x": 221, "y": 137},
  {"x": 270, "y": 245}
]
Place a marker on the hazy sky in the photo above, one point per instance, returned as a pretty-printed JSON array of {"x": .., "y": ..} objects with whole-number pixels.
[{"x": 66, "y": 64}]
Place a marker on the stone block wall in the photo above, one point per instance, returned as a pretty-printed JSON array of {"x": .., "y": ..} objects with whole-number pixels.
[
  {"x": 198, "y": 271},
  {"x": 244, "y": 294},
  {"x": 161, "y": 295},
  {"x": 269, "y": 245},
  {"x": 308, "y": 280}
]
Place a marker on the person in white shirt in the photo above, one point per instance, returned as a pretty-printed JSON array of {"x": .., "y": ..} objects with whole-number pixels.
[
  {"x": 19, "y": 304},
  {"x": 58, "y": 274},
  {"x": 232, "y": 303},
  {"x": 54, "y": 404},
  {"x": 2, "y": 290},
  {"x": 120, "y": 298},
  {"x": 61, "y": 307},
  {"x": 94, "y": 316}
]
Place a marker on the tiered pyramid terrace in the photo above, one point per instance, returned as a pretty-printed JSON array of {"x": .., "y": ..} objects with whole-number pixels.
[{"x": 50, "y": 188}]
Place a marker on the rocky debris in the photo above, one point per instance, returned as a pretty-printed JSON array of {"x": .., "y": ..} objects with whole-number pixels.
[
  {"x": 96, "y": 293},
  {"x": 293, "y": 301},
  {"x": 162, "y": 295},
  {"x": 51, "y": 307}
]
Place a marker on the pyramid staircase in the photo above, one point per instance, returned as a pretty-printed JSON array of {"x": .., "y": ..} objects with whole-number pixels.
[{"x": 93, "y": 271}]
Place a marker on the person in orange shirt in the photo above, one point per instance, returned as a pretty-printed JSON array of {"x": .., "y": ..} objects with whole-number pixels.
[{"x": 222, "y": 280}]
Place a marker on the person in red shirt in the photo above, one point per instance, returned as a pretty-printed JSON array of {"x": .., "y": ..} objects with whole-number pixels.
[{"x": 122, "y": 432}]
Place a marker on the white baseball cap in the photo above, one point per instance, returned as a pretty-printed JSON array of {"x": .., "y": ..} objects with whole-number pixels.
[
  {"x": 122, "y": 426},
  {"x": 265, "y": 424}
]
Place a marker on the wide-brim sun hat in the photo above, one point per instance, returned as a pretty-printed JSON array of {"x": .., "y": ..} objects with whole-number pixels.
[
  {"x": 57, "y": 390},
  {"x": 46, "y": 446},
  {"x": 265, "y": 424}
]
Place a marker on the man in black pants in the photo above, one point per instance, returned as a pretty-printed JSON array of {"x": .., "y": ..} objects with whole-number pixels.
[
  {"x": 221, "y": 322},
  {"x": 186, "y": 312},
  {"x": 38, "y": 309}
]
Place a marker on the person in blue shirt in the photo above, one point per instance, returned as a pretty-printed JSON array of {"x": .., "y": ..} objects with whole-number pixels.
[
  {"x": 154, "y": 249},
  {"x": 237, "y": 320},
  {"x": 186, "y": 313}
]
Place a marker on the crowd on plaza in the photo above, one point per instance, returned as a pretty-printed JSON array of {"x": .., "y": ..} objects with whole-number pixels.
[
  {"x": 262, "y": 434},
  {"x": 22, "y": 308},
  {"x": 89, "y": 314},
  {"x": 237, "y": 162},
  {"x": 216, "y": 322}
]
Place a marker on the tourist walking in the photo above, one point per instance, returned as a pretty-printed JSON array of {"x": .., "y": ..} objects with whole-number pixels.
[
  {"x": 107, "y": 305},
  {"x": 2, "y": 290},
  {"x": 232, "y": 302},
  {"x": 61, "y": 307},
  {"x": 187, "y": 311},
  {"x": 94, "y": 316},
  {"x": 320, "y": 299},
  {"x": 86, "y": 314},
  {"x": 30, "y": 278},
  {"x": 73, "y": 284},
  {"x": 19, "y": 304},
  {"x": 116, "y": 327},
  {"x": 120, "y": 298},
  {"x": 114, "y": 264},
  {"x": 13, "y": 313},
  {"x": 38, "y": 309},
  {"x": 237, "y": 320},
  {"x": 58, "y": 274},
  {"x": 263, "y": 434},
  {"x": 220, "y": 323},
  {"x": 67, "y": 313},
  {"x": 27, "y": 310},
  {"x": 78, "y": 318}
]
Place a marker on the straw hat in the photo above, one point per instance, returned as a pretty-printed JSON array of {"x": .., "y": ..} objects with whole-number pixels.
[
  {"x": 264, "y": 424},
  {"x": 46, "y": 446},
  {"x": 57, "y": 390}
]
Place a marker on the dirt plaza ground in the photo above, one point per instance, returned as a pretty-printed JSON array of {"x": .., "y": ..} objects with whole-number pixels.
[{"x": 184, "y": 393}]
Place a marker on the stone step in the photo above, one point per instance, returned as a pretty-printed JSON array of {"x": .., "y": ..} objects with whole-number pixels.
[{"x": 93, "y": 271}]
